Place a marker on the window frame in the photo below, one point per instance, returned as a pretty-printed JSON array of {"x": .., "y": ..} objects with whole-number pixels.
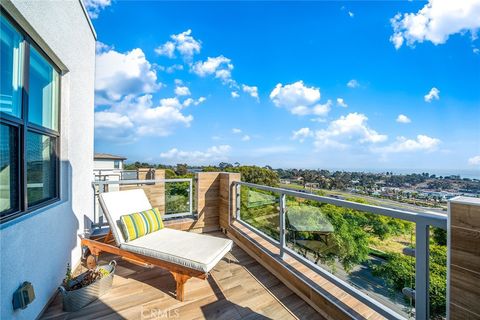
[{"x": 22, "y": 126}]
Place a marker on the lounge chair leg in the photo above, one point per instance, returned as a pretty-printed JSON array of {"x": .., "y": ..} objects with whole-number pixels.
[{"x": 180, "y": 279}]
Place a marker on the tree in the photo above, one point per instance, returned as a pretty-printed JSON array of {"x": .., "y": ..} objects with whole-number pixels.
[
  {"x": 181, "y": 169},
  {"x": 257, "y": 175},
  {"x": 224, "y": 165},
  {"x": 399, "y": 272}
]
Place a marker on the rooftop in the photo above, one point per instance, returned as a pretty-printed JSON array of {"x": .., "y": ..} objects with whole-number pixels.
[{"x": 108, "y": 156}]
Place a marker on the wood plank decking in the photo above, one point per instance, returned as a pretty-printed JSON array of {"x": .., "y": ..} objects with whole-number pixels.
[{"x": 237, "y": 289}]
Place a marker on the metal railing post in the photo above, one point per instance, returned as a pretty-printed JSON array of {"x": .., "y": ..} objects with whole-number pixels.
[
  {"x": 282, "y": 224},
  {"x": 237, "y": 201},
  {"x": 190, "y": 196},
  {"x": 422, "y": 254}
]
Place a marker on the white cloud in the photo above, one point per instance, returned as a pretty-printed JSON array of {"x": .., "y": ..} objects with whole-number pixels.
[
  {"x": 107, "y": 119},
  {"x": 235, "y": 94},
  {"x": 188, "y": 102},
  {"x": 167, "y": 49},
  {"x": 350, "y": 128},
  {"x": 302, "y": 134},
  {"x": 220, "y": 66},
  {"x": 236, "y": 130},
  {"x": 138, "y": 116},
  {"x": 476, "y": 50},
  {"x": 341, "y": 103},
  {"x": 351, "y": 14},
  {"x": 403, "y": 119},
  {"x": 299, "y": 99},
  {"x": 353, "y": 84},
  {"x": 402, "y": 144},
  {"x": 214, "y": 153},
  {"x": 95, "y": 6},
  {"x": 251, "y": 90},
  {"x": 170, "y": 69},
  {"x": 182, "y": 90},
  {"x": 436, "y": 21},
  {"x": 246, "y": 138},
  {"x": 184, "y": 43},
  {"x": 121, "y": 74},
  {"x": 433, "y": 94},
  {"x": 474, "y": 161}
]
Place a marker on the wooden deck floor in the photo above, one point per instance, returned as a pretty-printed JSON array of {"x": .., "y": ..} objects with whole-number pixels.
[{"x": 237, "y": 289}]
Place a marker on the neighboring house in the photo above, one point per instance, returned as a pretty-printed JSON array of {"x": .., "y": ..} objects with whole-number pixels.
[
  {"x": 46, "y": 145},
  {"x": 105, "y": 161}
]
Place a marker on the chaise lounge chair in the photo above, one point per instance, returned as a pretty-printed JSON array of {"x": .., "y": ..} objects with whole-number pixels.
[{"x": 184, "y": 254}]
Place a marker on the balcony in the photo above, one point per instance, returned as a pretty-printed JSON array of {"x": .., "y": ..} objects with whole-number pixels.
[{"x": 273, "y": 270}]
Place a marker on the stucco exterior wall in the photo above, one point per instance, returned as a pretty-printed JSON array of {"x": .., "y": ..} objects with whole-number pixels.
[
  {"x": 37, "y": 247},
  {"x": 107, "y": 164}
]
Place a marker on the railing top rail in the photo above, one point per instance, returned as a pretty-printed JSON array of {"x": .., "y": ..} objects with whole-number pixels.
[
  {"x": 428, "y": 218},
  {"x": 141, "y": 181}
]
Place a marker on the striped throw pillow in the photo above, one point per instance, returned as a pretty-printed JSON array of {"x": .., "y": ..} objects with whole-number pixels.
[{"x": 138, "y": 224}]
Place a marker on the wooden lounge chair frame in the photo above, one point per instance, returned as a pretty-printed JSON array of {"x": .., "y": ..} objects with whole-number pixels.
[{"x": 180, "y": 274}]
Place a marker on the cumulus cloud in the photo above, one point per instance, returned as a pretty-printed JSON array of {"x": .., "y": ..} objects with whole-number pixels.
[
  {"x": 190, "y": 101},
  {"x": 235, "y": 94},
  {"x": 420, "y": 143},
  {"x": 138, "y": 116},
  {"x": 182, "y": 90},
  {"x": 403, "y": 119},
  {"x": 302, "y": 134},
  {"x": 236, "y": 130},
  {"x": 183, "y": 43},
  {"x": 95, "y": 6},
  {"x": 120, "y": 74},
  {"x": 351, "y": 14},
  {"x": 433, "y": 94},
  {"x": 474, "y": 161},
  {"x": 350, "y": 128},
  {"x": 341, "y": 103},
  {"x": 299, "y": 99},
  {"x": 170, "y": 69},
  {"x": 251, "y": 90},
  {"x": 435, "y": 22},
  {"x": 353, "y": 84},
  {"x": 212, "y": 154},
  {"x": 219, "y": 66}
]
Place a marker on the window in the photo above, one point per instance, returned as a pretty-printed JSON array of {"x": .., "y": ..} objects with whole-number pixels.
[
  {"x": 29, "y": 124},
  {"x": 116, "y": 164}
]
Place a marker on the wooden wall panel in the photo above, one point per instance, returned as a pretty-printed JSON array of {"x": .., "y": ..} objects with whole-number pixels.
[{"x": 464, "y": 269}]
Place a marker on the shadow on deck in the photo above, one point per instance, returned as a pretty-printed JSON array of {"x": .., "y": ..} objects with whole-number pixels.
[{"x": 237, "y": 288}]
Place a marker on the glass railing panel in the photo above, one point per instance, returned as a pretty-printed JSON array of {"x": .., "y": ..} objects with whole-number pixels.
[
  {"x": 260, "y": 209},
  {"x": 368, "y": 251},
  {"x": 171, "y": 197},
  {"x": 438, "y": 273},
  {"x": 177, "y": 197}
]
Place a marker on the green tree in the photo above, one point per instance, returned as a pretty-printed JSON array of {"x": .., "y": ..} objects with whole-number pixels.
[
  {"x": 257, "y": 175},
  {"x": 181, "y": 169}
]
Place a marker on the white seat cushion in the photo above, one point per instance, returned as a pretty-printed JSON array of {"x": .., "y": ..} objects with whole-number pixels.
[{"x": 195, "y": 251}]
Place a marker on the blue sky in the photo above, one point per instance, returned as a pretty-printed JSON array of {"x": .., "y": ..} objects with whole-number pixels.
[{"x": 307, "y": 85}]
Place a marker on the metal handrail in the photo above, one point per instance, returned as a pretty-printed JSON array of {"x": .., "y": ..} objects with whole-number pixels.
[{"x": 422, "y": 220}]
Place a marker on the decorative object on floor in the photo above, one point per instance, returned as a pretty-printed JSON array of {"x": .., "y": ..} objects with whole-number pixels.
[{"x": 89, "y": 286}]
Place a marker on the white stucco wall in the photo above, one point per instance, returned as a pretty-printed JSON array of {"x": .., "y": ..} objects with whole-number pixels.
[
  {"x": 107, "y": 164},
  {"x": 36, "y": 247}
]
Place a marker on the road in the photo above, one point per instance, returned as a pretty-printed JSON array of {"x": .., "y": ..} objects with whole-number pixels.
[{"x": 362, "y": 278}]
